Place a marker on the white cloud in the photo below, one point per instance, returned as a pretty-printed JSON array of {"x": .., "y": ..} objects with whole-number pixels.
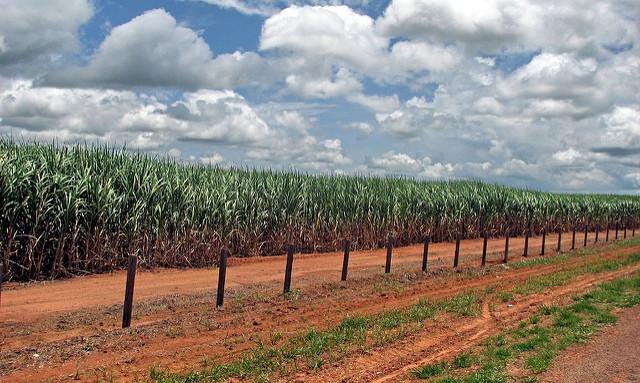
[
  {"x": 363, "y": 128},
  {"x": 495, "y": 26},
  {"x": 567, "y": 157},
  {"x": 212, "y": 159},
  {"x": 153, "y": 50},
  {"x": 270, "y": 7},
  {"x": 621, "y": 135},
  {"x": 341, "y": 83},
  {"x": 404, "y": 164},
  {"x": 334, "y": 33},
  {"x": 32, "y": 30},
  {"x": 118, "y": 117}
]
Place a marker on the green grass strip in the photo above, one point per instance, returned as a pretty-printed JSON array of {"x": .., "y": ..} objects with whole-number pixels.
[{"x": 535, "y": 343}]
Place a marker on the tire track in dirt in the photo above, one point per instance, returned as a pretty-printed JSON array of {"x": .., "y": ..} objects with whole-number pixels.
[
  {"x": 321, "y": 310},
  {"x": 394, "y": 361}
]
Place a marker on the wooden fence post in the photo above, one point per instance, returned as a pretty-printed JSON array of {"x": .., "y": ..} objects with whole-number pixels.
[
  {"x": 1, "y": 279},
  {"x": 544, "y": 238},
  {"x": 573, "y": 238},
  {"x": 559, "y": 248},
  {"x": 484, "y": 248},
  {"x": 607, "y": 236},
  {"x": 526, "y": 243},
  {"x": 624, "y": 226},
  {"x": 506, "y": 248},
  {"x": 128, "y": 293},
  {"x": 222, "y": 275},
  {"x": 617, "y": 227},
  {"x": 345, "y": 260},
  {"x": 387, "y": 266},
  {"x": 425, "y": 255},
  {"x": 597, "y": 232},
  {"x": 456, "y": 256},
  {"x": 586, "y": 233},
  {"x": 288, "y": 270}
]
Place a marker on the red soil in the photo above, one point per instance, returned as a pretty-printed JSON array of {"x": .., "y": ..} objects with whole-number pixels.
[{"x": 73, "y": 325}]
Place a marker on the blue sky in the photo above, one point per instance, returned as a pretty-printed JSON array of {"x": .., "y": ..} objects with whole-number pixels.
[{"x": 527, "y": 93}]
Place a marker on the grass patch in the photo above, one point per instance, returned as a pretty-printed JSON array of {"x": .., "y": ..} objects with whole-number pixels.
[
  {"x": 532, "y": 346},
  {"x": 315, "y": 347}
]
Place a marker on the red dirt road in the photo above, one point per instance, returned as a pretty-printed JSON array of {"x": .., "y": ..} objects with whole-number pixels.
[
  {"x": 42, "y": 299},
  {"x": 176, "y": 331}
]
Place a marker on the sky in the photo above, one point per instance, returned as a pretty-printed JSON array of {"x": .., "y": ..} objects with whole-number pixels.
[{"x": 538, "y": 94}]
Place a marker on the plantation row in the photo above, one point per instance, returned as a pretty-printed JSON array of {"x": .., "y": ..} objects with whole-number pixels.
[{"x": 77, "y": 210}]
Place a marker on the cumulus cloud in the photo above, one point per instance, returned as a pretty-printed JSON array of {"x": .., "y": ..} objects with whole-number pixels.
[
  {"x": 119, "y": 117},
  {"x": 404, "y": 164},
  {"x": 363, "y": 128},
  {"x": 524, "y": 25},
  {"x": 22, "y": 43},
  {"x": 270, "y": 7},
  {"x": 153, "y": 50}
]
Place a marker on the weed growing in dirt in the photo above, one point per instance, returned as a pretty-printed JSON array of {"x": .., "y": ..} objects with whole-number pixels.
[
  {"x": 314, "y": 347},
  {"x": 532, "y": 346}
]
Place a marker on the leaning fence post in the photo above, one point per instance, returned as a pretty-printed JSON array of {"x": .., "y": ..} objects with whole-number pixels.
[
  {"x": 345, "y": 260},
  {"x": 222, "y": 275},
  {"x": 425, "y": 255},
  {"x": 456, "y": 256},
  {"x": 484, "y": 248},
  {"x": 387, "y": 266},
  {"x": 288, "y": 270},
  {"x": 544, "y": 238},
  {"x": 559, "y": 248},
  {"x": 128, "y": 293},
  {"x": 526, "y": 243},
  {"x": 573, "y": 238},
  {"x": 506, "y": 248}
]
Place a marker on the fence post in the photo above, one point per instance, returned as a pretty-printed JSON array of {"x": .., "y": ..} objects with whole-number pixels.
[
  {"x": 617, "y": 227},
  {"x": 128, "y": 293},
  {"x": 573, "y": 238},
  {"x": 506, "y": 248},
  {"x": 387, "y": 266},
  {"x": 586, "y": 234},
  {"x": 624, "y": 226},
  {"x": 544, "y": 238},
  {"x": 456, "y": 256},
  {"x": 526, "y": 243},
  {"x": 633, "y": 229},
  {"x": 559, "y": 248},
  {"x": 345, "y": 260},
  {"x": 425, "y": 255},
  {"x": 597, "y": 232},
  {"x": 222, "y": 275},
  {"x": 607, "y": 236},
  {"x": 484, "y": 248},
  {"x": 288, "y": 270},
  {"x": 1, "y": 279}
]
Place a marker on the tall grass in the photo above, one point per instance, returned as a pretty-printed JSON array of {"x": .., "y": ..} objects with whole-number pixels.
[{"x": 74, "y": 210}]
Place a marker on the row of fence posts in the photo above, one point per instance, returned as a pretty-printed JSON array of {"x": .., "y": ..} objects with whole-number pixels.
[{"x": 224, "y": 255}]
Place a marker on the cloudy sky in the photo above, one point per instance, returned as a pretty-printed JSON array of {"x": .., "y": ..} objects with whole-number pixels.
[{"x": 542, "y": 94}]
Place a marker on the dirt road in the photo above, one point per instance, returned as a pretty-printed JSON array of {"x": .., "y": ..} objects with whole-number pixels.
[
  {"x": 37, "y": 300},
  {"x": 611, "y": 356}
]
